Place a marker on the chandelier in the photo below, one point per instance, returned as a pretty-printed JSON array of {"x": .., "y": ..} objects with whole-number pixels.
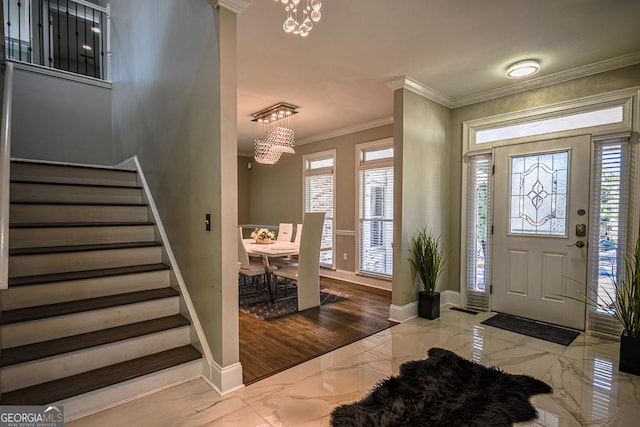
[
  {"x": 280, "y": 137},
  {"x": 301, "y": 14}
]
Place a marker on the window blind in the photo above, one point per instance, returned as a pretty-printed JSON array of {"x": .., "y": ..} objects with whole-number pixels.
[
  {"x": 608, "y": 231},
  {"x": 376, "y": 220},
  {"x": 318, "y": 197},
  {"x": 479, "y": 199}
]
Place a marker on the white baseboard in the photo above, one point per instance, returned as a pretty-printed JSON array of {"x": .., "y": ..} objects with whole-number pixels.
[
  {"x": 402, "y": 313},
  {"x": 351, "y": 277},
  {"x": 118, "y": 394},
  {"x": 449, "y": 297},
  {"x": 224, "y": 380}
]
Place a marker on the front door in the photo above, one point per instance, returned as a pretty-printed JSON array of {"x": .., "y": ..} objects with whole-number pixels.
[{"x": 540, "y": 223}]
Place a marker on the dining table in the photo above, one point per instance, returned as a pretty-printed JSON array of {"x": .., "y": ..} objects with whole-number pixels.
[{"x": 273, "y": 249}]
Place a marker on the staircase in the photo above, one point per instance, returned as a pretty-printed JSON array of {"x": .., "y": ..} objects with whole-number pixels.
[{"x": 90, "y": 317}]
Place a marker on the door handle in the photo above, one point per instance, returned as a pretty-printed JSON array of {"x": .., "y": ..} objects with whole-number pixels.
[{"x": 579, "y": 244}]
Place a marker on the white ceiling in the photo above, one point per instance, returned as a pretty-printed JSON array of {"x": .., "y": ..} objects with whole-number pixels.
[{"x": 457, "y": 49}]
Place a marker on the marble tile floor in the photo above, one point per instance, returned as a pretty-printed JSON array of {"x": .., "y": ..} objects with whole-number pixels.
[{"x": 588, "y": 389}]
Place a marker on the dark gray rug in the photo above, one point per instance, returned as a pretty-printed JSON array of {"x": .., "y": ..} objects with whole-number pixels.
[
  {"x": 261, "y": 307},
  {"x": 444, "y": 390},
  {"x": 532, "y": 328}
]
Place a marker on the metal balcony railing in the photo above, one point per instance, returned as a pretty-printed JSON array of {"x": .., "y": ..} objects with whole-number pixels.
[{"x": 69, "y": 35}]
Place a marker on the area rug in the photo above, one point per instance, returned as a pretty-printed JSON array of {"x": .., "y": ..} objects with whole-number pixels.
[
  {"x": 532, "y": 328},
  {"x": 444, "y": 390},
  {"x": 261, "y": 307}
]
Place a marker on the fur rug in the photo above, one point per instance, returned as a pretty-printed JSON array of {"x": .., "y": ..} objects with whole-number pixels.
[{"x": 444, "y": 390}]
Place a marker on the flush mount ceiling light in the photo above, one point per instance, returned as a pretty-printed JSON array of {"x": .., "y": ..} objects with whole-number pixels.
[
  {"x": 280, "y": 137},
  {"x": 301, "y": 14},
  {"x": 523, "y": 69}
]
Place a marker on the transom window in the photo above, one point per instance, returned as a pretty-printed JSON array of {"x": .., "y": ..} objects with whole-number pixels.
[{"x": 600, "y": 117}]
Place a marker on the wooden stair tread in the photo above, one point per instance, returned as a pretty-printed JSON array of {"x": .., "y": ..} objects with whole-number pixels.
[
  {"x": 80, "y": 224},
  {"x": 30, "y": 352},
  {"x": 85, "y": 274},
  {"x": 70, "y": 165},
  {"x": 82, "y": 248},
  {"x": 81, "y": 204},
  {"x": 74, "y": 385},
  {"x": 70, "y": 307},
  {"x": 75, "y": 184}
]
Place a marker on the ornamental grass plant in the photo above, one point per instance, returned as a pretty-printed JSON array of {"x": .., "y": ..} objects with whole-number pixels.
[{"x": 427, "y": 260}]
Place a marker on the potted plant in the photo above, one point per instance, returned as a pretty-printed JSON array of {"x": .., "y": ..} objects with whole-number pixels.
[
  {"x": 624, "y": 306},
  {"x": 428, "y": 262}
]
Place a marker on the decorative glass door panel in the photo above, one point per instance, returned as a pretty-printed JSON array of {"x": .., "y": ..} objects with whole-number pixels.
[{"x": 538, "y": 194}]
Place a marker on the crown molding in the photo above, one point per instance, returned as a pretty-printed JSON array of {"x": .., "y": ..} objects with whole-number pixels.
[
  {"x": 408, "y": 83},
  {"x": 562, "y": 76},
  {"x": 346, "y": 130},
  {"x": 235, "y": 6}
]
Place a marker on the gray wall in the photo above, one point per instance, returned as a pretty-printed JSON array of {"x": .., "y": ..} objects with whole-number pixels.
[
  {"x": 421, "y": 186},
  {"x": 276, "y": 190},
  {"x": 55, "y": 118},
  {"x": 174, "y": 107},
  {"x": 244, "y": 198},
  {"x": 592, "y": 85}
]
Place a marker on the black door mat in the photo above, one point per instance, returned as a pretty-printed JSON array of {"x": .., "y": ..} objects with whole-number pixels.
[{"x": 532, "y": 328}]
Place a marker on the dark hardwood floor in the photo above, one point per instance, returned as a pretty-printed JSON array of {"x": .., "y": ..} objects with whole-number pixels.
[{"x": 267, "y": 347}]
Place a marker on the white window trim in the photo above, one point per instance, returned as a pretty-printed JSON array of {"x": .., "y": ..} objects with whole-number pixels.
[
  {"x": 320, "y": 171},
  {"x": 360, "y": 165},
  {"x": 625, "y": 98},
  {"x": 630, "y": 98}
]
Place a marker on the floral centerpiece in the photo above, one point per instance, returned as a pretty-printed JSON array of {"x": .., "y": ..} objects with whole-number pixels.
[{"x": 263, "y": 235}]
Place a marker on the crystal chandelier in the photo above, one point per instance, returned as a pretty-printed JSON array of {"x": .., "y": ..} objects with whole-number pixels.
[
  {"x": 301, "y": 14},
  {"x": 280, "y": 136}
]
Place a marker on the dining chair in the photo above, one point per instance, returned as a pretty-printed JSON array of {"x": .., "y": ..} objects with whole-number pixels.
[
  {"x": 298, "y": 233},
  {"x": 285, "y": 232},
  {"x": 252, "y": 268},
  {"x": 307, "y": 273}
]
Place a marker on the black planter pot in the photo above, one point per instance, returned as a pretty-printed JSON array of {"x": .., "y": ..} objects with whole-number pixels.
[
  {"x": 429, "y": 305},
  {"x": 629, "y": 354}
]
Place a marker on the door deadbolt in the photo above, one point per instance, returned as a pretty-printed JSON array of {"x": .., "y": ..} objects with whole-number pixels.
[{"x": 581, "y": 230}]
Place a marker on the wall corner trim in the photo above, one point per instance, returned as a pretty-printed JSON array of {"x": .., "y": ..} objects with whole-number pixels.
[{"x": 235, "y": 6}]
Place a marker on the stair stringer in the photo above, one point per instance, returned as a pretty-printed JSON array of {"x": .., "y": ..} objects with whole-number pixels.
[{"x": 223, "y": 379}]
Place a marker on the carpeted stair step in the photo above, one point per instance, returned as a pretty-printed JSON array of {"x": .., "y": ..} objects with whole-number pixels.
[
  {"x": 39, "y": 192},
  {"x": 30, "y": 352},
  {"x": 61, "y": 213},
  {"x": 63, "y": 173},
  {"x": 43, "y": 235},
  {"x": 75, "y": 385},
  {"x": 65, "y": 308},
  {"x": 60, "y": 259}
]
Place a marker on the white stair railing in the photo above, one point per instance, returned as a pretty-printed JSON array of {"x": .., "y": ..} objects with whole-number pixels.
[{"x": 5, "y": 164}]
